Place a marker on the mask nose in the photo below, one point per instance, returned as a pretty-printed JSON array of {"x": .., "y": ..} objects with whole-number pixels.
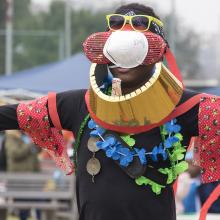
[{"x": 126, "y": 49}]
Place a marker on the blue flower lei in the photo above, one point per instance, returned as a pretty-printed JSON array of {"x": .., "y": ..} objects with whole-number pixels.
[
  {"x": 114, "y": 149},
  {"x": 170, "y": 147}
]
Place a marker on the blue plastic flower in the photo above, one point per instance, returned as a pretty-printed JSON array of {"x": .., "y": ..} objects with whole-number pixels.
[
  {"x": 162, "y": 152},
  {"x": 176, "y": 128},
  {"x": 101, "y": 130},
  {"x": 116, "y": 156},
  {"x": 92, "y": 124},
  {"x": 97, "y": 132},
  {"x": 111, "y": 140},
  {"x": 154, "y": 154},
  {"x": 174, "y": 121},
  {"x": 168, "y": 143},
  {"x": 175, "y": 139},
  {"x": 172, "y": 127},
  {"x": 111, "y": 151},
  {"x": 126, "y": 156},
  {"x": 94, "y": 133},
  {"x": 141, "y": 154},
  {"x": 102, "y": 145}
]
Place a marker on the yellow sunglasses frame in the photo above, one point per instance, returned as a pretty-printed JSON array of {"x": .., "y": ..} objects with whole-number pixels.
[{"x": 128, "y": 18}]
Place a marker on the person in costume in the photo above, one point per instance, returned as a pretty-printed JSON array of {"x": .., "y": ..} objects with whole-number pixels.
[{"x": 132, "y": 126}]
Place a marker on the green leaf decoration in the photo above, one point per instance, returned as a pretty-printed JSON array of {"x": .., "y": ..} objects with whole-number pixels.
[
  {"x": 181, "y": 149},
  {"x": 128, "y": 140},
  {"x": 179, "y": 136},
  {"x": 175, "y": 171},
  {"x": 177, "y": 145},
  {"x": 181, "y": 167},
  {"x": 156, "y": 188},
  {"x": 163, "y": 132},
  {"x": 171, "y": 176},
  {"x": 141, "y": 181},
  {"x": 173, "y": 157},
  {"x": 180, "y": 156}
]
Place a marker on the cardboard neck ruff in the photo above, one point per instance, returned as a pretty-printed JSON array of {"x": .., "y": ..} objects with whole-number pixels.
[{"x": 147, "y": 105}]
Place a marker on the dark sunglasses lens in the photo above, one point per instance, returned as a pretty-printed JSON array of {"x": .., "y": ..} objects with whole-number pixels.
[
  {"x": 116, "y": 22},
  {"x": 140, "y": 22}
]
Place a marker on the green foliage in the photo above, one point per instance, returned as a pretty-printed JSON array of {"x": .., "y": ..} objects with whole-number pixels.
[
  {"x": 30, "y": 51},
  {"x": 84, "y": 23},
  {"x": 2, "y": 13},
  {"x": 22, "y": 14}
]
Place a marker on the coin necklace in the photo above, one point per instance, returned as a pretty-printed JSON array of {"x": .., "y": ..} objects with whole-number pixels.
[{"x": 93, "y": 165}]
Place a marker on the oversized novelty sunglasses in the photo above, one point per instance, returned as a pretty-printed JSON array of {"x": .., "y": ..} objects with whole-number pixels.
[{"x": 138, "y": 22}]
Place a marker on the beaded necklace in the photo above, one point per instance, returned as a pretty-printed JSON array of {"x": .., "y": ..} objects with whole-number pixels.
[{"x": 78, "y": 139}]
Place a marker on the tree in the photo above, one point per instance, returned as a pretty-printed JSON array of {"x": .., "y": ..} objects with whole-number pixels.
[
  {"x": 20, "y": 21},
  {"x": 30, "y": 51},
  {"x": 84, "y": 22}
]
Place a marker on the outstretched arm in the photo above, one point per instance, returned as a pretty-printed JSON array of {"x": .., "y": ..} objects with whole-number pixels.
[
  {"x": 8, "y": 117},
  {"x": 36, "y": 118}
]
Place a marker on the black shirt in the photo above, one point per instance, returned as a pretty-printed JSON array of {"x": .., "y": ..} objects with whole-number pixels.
[{"x": 114, "y": 195}]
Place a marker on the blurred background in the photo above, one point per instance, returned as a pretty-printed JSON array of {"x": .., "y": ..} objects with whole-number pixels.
[
  {"x": 35, "y": 33},
  {"x": 41, "y": 50}
]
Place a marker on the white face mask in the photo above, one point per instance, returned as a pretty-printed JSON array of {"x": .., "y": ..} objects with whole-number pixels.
[{"x": 126, "y": 49}]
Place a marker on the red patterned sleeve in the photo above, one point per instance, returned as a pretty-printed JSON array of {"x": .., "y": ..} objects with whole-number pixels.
[
  {"x": 33, "y": 119},
  {"x": 207, "y": 146}
]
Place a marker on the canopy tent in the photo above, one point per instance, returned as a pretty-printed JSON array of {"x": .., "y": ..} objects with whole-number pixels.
[
  {"x": 214, "y": 91},
  {"x": 72, "y": 73}
]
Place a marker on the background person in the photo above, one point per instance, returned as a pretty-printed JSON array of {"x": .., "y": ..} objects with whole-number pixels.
[{"x": 22, "y": 156}]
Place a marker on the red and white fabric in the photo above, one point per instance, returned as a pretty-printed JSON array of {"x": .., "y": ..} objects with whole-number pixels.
[{"x": 33, "y": 119}]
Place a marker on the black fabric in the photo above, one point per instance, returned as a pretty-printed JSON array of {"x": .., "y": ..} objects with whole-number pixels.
[
  {"x": 204, "y": 191},
  {"x": 71, "y": 109},
  {"x": 114, "y": 195},
  {"x": 156, "y": 176},
  {"x": 8, "y": 117},
  {"x": 3, "y": 158}
]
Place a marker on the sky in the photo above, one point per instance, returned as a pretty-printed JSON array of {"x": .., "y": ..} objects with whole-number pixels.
[{"x": 203, "y": 15}]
